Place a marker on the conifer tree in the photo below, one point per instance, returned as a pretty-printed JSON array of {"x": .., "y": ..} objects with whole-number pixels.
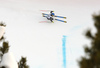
[
  {"x": 22, "y": 63},
  {"x": 5, "y": 45},
  {"x": 2, "y": 24},
  {"x": 92, "y": 58},
  {"x": 5, "y": 48}
]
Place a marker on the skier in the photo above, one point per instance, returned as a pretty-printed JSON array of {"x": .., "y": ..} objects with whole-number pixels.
[{"x": 50, "y": 16}]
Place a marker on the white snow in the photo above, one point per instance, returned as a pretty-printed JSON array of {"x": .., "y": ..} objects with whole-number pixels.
[
  {"x": 2, "y": 30},
  {"x": 41, "y": 43},
  {"x": 8, "y": 61}
]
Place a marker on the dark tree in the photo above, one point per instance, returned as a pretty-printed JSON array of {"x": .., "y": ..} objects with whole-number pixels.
[
  {"x": 92, "y": 58},
  {"x": 22, "y": 63},
  {"x": 2, "y": 24},
  {"x": 5, "y": 48},
  {"x": 5, "y": 45}
]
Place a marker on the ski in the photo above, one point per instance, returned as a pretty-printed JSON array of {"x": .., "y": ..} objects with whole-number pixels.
[
  {"x": 61, "y": 20},
  {"x": 44, "y": 14},
  {"x": 60, "y": 17}
]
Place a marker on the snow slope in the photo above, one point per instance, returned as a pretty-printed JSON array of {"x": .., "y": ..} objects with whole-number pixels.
[
  {"x": 8, "y": 61},
  {"x": 41, "y": 43}
]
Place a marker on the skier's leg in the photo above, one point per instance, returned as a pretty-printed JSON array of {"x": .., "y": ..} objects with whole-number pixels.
[
  {"x": 51, "y": 19},
  {"x": 47, "y": 18}
]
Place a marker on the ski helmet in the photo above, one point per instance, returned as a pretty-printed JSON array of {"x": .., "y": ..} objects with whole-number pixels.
[
  {"x": 51, "y": 11},
  {"x": 53, "y": 14}
]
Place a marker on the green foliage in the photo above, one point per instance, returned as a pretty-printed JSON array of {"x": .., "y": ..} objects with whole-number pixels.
[
  {"x": 2, "y": 24},
  {"x": 92, "y": 52},
  {"x": 89, "y": 35},
  {"x": 22, "y": 63},
  {"x": 2, "y": 38},
  {"x": 5, "y": 47}
]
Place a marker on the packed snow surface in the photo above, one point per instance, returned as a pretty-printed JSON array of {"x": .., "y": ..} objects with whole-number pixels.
[{"x": 8, "y": 61}]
